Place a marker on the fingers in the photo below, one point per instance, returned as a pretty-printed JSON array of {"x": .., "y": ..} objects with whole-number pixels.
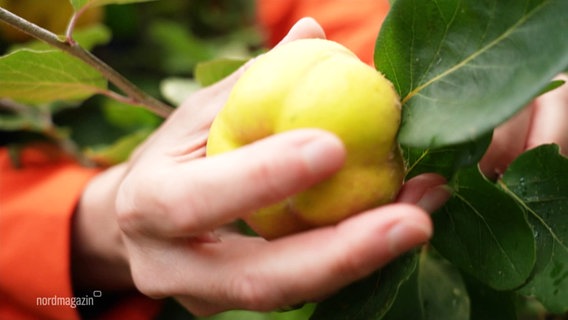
[
  {"x": 545, "y": 120},
  {"x": 550, "y": 118},
  {"x": 507, "y": 143},
  {"x": 259, "y": 275},
  {"x": 427, "y": 191},
  {"x": 194, "y": 196},
  {"x": 305, "y": 28}
]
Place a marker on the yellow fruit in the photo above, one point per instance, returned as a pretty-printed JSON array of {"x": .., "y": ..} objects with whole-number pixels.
[
  {"x": 53, "y": 15},
  {"x": 314, "y": 83}
]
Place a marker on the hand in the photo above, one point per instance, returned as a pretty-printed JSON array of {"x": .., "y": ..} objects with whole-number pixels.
[
  {"x": 175, "y": 210},
  {"x": 545, "y": 120}
]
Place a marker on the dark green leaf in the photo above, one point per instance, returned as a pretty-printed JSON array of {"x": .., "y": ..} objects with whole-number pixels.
[
  {"x": 463, "y": 67},
  {"x": 551, "y": 86},
  {"x": 483, "y": 231},
  {"x": 46, "y": 76},
  {"x": 209, "y": 72},
  {"x": 436, "y": 291},
  {"x": 539, "y": 178},
  {"x": 489, "y": 304},
  {"x": 446, "y": 160},
  {"x": 369, "y": 298}
]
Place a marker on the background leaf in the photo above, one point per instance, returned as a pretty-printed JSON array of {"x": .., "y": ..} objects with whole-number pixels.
[
  {"x": 209, "y": 72},
  {"x": 372, "y": 297},
  {"x": 463, "y": 67},
  {"x": 45, "y": 76},
  {"x": 176, "y": 90},
  {"x": 119, "y": 151},
  {"x": 490, "y": 304},
  {"x": 539, "y": 178},
  {"x": 483, "y": 231},
  {"x": 436, "y": 291},
  {"x": 78, "y": 4}
]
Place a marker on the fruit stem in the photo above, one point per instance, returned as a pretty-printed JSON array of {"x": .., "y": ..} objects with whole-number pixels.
[{"x": 138, "y": 96}]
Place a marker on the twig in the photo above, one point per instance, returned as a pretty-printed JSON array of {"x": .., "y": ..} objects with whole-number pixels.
[{"x": 138, "y": 96}]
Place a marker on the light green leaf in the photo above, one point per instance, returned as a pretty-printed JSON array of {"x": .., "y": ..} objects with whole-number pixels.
[
  {"x": 176, "y": 90},
  {"x": 539, "y": 178},
  {"x": 484, "y": 232},
  {"x": 46, "y": 76},
  {"x": 299, "y": 314},
  {"x": 119, "y": 151},
  {"x": 129, "y": 117},
  {"x": 209, "y": 72},
  {"x": 78, "y": 4},
  {"x": 463, "y": 67}
]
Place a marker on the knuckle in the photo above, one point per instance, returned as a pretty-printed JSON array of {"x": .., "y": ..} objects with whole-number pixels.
[
  {"x": 348, "y": 266},
  {"x": 250, "y": 292}
]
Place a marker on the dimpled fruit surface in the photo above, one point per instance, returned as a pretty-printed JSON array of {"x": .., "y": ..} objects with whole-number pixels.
[{"x": 315, "y": 83}]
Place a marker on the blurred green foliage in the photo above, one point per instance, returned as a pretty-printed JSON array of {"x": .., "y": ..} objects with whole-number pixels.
[{"x": 149, "y": 43}]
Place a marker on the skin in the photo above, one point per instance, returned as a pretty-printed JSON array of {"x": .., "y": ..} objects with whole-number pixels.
[
  {"x": 544, "y": 120},
  {"x": 157, "y": 222}
]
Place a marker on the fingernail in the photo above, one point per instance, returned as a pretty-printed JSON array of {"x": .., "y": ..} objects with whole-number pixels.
[
  {"x": 407, "y": 235},
  {"x": 323, "y": 154},
  {"x": 434, "y": 198}
]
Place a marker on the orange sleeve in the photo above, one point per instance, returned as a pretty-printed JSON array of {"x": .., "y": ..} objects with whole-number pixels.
[
  {"x": 36, "y": 207},
  {"x": 355, "y": 24}
]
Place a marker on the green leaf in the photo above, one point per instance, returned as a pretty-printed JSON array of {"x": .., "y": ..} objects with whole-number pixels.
[
  {"x": 176, "y": 90},
  {"x": 78, "y": 4},
  {"x": 46, "y": 76},
  {"x": 489, "y": 304},
  {"x": 19, "y": 122},
  {"x": 551, "y": 86},
  {"x": 445, "y": 161},
  {"x": 464, "y": 67},
  {"x": 181, "y": 50},
  {"x": 371, "y": 297},
  {"x": 539, "y": 178},
  {"x": 209, "y": 72},
  {"x": 128, "y": 117},
  {"x": 483, "y": 231},
  {"x": 119, "y": 151},
  {"x": 435, "y": 291},
  {"x": 298, "y": 314}
]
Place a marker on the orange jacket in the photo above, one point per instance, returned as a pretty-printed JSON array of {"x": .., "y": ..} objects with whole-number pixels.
[
  {"x": 37, "y": 201},
  {"x": 353, "y": 23},
  {"x": 36, "y": 206}
]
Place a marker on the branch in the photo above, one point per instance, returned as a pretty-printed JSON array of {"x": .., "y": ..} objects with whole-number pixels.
[{"x": 138, "y": 96}]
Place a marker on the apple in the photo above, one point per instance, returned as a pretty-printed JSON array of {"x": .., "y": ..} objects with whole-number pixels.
[{"x": 316, "y": 83}]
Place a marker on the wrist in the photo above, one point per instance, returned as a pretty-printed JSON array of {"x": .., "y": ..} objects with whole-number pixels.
[{"x": 98, "y": 256}]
